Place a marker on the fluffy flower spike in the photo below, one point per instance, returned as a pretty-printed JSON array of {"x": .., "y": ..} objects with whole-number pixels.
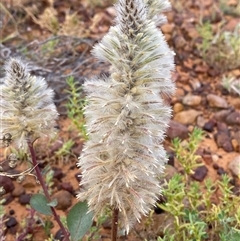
[
  {"x": 26, "y": 107},
  {"x": 126, "y": 115}
]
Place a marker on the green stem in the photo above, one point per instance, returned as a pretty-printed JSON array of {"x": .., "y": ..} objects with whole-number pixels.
[{"x": 45, "y": 190}]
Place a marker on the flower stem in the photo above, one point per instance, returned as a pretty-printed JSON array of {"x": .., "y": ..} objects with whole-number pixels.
[
  {"x": 114, "y": 224},
  {"x": 45, "y": 190}
]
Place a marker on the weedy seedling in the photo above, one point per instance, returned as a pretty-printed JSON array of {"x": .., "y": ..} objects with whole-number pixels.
[
  {"x": 220, "y": 50},
  {"x": 75, "y": 106},
  {"x": 196, "y": 217}
]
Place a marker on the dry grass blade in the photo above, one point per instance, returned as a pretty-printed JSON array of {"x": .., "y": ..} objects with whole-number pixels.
[{"x": 15, "y": 33}]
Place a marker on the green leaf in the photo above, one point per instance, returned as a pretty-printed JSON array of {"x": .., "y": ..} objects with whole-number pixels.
[
  {"x": 79, "y": 220},
  {"x": 40, "y": 203},
  {"x": 53, "y": 203}
]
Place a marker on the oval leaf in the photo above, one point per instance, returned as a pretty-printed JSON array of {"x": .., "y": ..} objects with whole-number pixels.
[
  {"x": 79, "y": 220},
  {"x": 39, "y": 203}
]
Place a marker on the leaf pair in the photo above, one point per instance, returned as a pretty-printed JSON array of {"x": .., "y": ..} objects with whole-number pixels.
[{"x": 79, "y": 220}]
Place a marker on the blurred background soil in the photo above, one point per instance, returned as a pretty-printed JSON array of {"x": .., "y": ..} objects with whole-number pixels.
[{"x": 56, "y": 38}]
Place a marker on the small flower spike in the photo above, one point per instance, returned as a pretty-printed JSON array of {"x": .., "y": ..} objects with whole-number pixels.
[{"x": 27, "y": 110}]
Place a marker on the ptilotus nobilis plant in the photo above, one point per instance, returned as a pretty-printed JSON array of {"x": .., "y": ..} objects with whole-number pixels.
[
  {"x": 126, "y": 116},
  {"x": 26, "y": 106}
]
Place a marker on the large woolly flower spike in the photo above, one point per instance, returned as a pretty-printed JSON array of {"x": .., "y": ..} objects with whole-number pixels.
[
  {"x": 26, "y": 107},
  {"x": 126, "y": 117}
]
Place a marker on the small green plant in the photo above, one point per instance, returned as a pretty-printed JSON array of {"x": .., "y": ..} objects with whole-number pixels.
[
  {"x": 51, "y": 238},
  {"x": 49, "y": 47},
  {"x": 185, "y": 153},
  {"x": 48, "y": 173},
  {"x": 220, "y": 50},
  {"x": 94, "y": 232},
  {"x": 207, "y": 35},
  {"x": 65, "y": 151},
  {"x": 196, "y": 217},
  {"x": 75, "y": 106}
]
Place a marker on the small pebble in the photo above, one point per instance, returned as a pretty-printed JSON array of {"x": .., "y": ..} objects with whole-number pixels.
[
  {"x": 221, "y": 171},
  {"x": 11, "y": 212},
  {"x": 76, "y": 150},
  {"x": 170, "y": 158},
  {"x": 64, "y": 199},
  {"x": 215, "y": 166},
  {"x": 179, "y": 42},
  {"x": 58, "y": 174},
  {"x": 78, "y": 176},
  {"x": 5, "y": 166},
  {"x": 236, "y": 190},
  {"x": 72, "y": 167},
  {"x": 235, "y": 144},
  {"x": 223, "y": 141},
  {"x": 190, "y": 128},
  {"x": 217, "y": 101},
  {"x": 222, "y": 127},
  {"x": 19, "y": 190},
  {"x": 209, "y": 126},
  {"x": 192, "y": 100},
  {"x": 177, "y": 129},
  {"x": 221, "y": 115},
  {"x": 235, "y": 103},
  {"x": 234, "y": 166},
  {"x": 233, "y": 118},
  {"x": 11, "y": 222},
  {"x": 59, "y": 235},
  {"x": 207, "y": 158},
  {"x": 201, "y": 121},
  {"x": 187, "y": 117},
  {"x": 6, "y": 184},
  {"x": 178, "y": 107},
  {"x": 25, "y": 199},
  {"x": 215, "y": 157},
  {"x": 67, "y": 186},
  {"x": 179, "y": 92},
  {"x": 200, "y": 173}
]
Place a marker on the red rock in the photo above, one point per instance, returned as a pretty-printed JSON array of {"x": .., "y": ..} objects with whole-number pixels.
[
  {"x": 233, "y": 118},
  {"x": 200, "y": 173},
  {"x": 207, "y": 158},
  {"x": 177, "y": 129},
  {"x": 209, "y": 126},
  {"x": 64, "y": 199},
  {"x": 221, "y": 115},
  {"x": 6, "y": 183},
  {"x": 223, "y": 141},
  {"x": 217, "y": 101}
]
